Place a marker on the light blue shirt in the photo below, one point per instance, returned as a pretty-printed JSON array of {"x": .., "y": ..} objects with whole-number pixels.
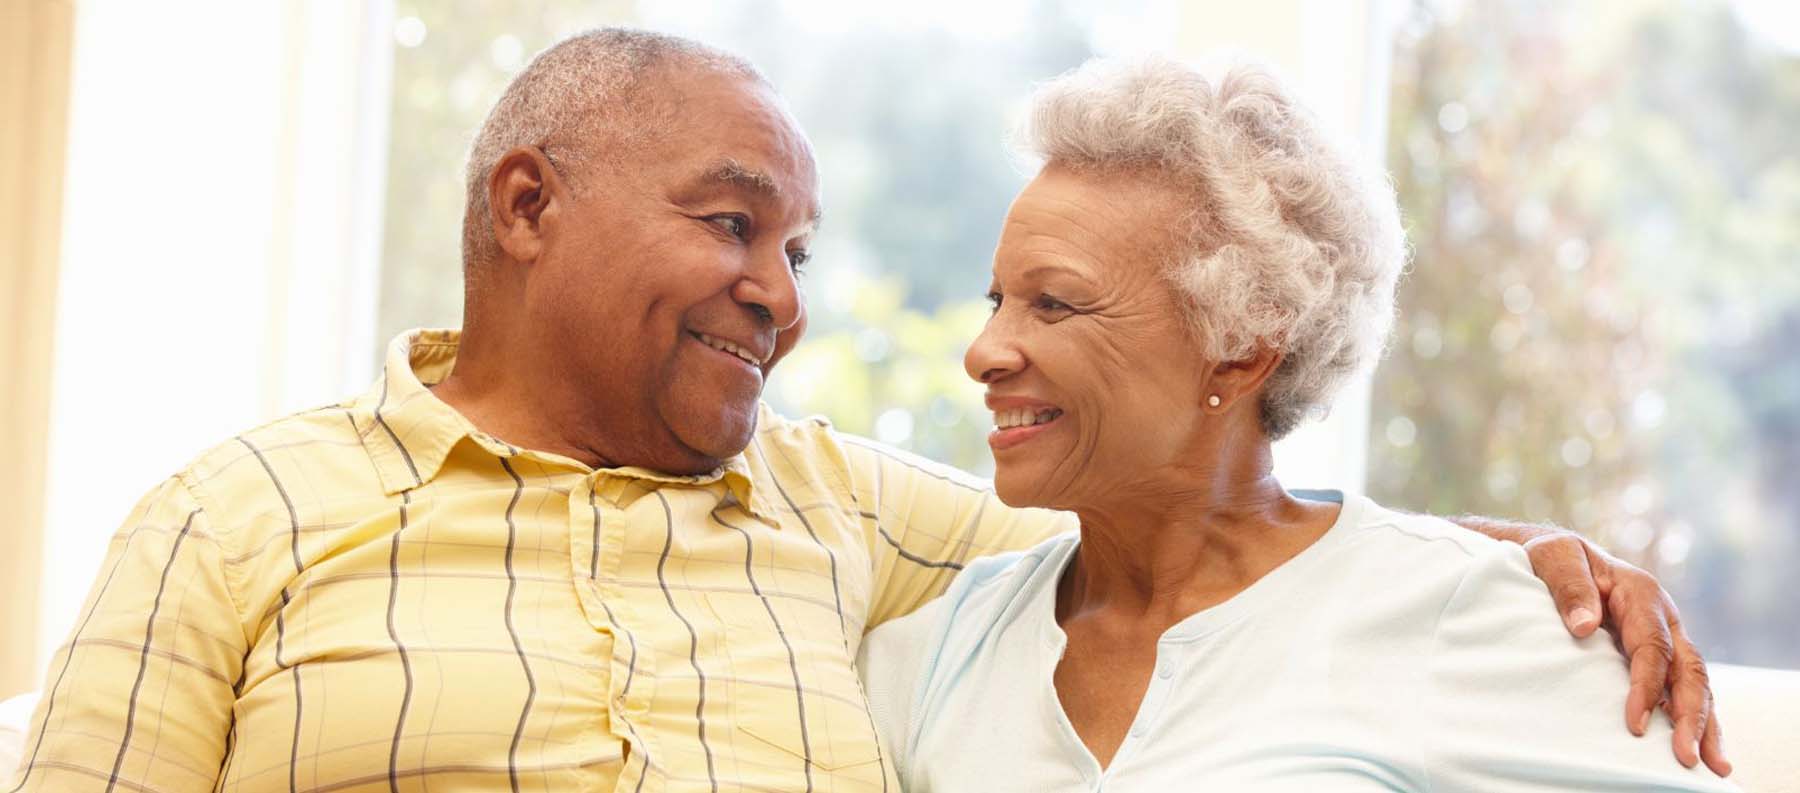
[{"x": 1398, "y": 652}]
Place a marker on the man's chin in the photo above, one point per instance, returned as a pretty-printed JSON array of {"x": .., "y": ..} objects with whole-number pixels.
[{"x": 724, "y": 437}]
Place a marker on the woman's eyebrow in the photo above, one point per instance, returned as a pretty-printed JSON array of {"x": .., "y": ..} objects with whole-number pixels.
[{"x": 1045, "y": 271}]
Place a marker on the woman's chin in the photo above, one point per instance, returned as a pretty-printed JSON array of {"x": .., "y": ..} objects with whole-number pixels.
[{"x": 1019, "y": 489}]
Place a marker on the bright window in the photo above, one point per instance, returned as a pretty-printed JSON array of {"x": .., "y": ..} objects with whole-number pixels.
[{"x": 1601, "y": 324}]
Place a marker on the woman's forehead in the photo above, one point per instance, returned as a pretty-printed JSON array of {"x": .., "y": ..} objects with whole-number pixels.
[{"x": 1088, "y": 222}]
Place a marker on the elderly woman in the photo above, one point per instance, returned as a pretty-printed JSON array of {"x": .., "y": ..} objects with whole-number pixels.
[{"x": 1193, "y": 272}]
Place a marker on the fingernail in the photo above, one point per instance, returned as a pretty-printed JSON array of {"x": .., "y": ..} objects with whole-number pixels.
[
  {"x": 1581, "y": 618},
  {"x": 1642, "y": 723}
]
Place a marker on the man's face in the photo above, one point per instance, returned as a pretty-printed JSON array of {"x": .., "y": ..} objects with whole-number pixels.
[{"x": 669, "y": 282}]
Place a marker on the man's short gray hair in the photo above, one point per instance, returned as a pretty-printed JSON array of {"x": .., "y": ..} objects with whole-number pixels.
[
  {"x": 1288, "y": 242},
  {"x": 580, "y": 100}
]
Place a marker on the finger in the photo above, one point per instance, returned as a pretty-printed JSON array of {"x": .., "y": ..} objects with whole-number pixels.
[
  {"x": 1561, "y": 560},
  {"x": 1644, "y": 636},
  {"x": 1601, "y": 564},
  {"x": 1712, "y": 747},
  {"x": 1690, "y": 704}
]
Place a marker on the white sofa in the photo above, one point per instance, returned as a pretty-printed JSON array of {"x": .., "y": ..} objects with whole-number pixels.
[{"x": 1760, "y": 709}]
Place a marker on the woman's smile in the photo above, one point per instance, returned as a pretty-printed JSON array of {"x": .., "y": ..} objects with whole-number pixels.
[{"x": 1018, "y": 425}]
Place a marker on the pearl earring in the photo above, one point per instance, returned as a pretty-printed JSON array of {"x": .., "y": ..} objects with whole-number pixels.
[{"x": 1212, "y": 401}]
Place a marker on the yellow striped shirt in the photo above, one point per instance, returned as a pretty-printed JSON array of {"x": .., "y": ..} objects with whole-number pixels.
[{"x": 376, "y": 595}]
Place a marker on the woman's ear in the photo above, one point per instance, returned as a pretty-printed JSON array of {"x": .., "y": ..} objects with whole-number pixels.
[
  {"x": 1232, "y": 381},
  {"x": 520, "y": 194}
]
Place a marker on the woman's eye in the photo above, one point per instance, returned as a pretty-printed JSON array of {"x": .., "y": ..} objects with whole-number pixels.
[
  {"x": 735, "y": 225},
  {"x": 993, "y": 299},
  {"x": 798, "y": 259},
  {"x": 1049, "y": 303}
]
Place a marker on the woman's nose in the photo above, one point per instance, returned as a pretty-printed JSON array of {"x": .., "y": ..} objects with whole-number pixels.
[{"x": 993, "y": 355}]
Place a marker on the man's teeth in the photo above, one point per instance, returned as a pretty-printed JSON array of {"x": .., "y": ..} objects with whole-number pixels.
[
  {"x": 1024, "y": 417},
  {"x": 721, "y": 344}
]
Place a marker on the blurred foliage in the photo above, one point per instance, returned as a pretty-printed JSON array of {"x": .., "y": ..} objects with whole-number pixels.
[{"x": 1601, "y": 321}]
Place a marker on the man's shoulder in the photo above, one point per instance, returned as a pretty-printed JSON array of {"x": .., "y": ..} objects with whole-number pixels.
[
  {"x": 241, "y": 476},
  {"x": 774, "y": 427}
]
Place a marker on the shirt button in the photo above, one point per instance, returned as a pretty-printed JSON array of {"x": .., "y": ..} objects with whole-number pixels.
[{"x": 1165, "y": 671}]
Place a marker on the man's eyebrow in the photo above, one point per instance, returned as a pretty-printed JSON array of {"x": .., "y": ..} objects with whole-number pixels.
[
  {"x": 735, "y": 173},
  {"x": 731, "y": 172}
]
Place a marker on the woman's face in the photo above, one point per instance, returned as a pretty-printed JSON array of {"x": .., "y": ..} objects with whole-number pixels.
[{"x": 1090, "y": 370}]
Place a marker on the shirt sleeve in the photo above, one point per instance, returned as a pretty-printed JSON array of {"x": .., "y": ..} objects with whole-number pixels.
[
  {"x": 926, "y": 520},
  {"x": 140, "y": 697},
  {"x": 1515, "y": 703}
]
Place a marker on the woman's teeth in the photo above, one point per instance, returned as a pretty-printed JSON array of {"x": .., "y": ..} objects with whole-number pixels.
[{"x": 1024, "y": 417}]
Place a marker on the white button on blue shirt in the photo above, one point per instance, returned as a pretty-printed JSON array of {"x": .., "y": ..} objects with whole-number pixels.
[{"x": 1398, "y": 652}]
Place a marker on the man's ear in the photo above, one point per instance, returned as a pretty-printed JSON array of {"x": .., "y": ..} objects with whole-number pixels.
[
  {"x": 1232, "y": 381},
  {"x": 520, "y": 192}
]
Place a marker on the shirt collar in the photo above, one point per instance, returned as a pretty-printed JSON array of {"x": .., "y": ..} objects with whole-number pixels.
[
  {"x": 742, "y": 484},
  {"x": 409, "y": 432},
  {"x": 406, "y": 429}
]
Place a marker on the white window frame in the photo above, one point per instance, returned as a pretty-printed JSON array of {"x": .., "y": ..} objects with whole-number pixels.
[{"x": 221, "y": 241}]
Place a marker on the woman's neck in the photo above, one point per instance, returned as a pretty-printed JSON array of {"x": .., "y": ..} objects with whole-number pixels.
[{"x": 1180, "y": 546}]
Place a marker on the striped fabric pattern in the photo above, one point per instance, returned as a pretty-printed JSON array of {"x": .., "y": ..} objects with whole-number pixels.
[{"x": 377, "y": 596}]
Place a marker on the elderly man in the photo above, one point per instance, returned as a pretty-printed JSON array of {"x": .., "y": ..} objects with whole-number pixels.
[{"x": 566, "y": 548}]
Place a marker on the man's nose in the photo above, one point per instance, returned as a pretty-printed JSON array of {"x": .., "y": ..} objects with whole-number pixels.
[
  {"x": 994, "y": 354},
  {"x": 771, "y": 289}
]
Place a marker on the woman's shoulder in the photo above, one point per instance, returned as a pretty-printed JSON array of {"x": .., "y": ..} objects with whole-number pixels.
[
  {"x": 1395, "y": 573},
  {"x": 1427, "y": 533},
  {"x": 1428, "y": 543},
  {"x": 989, "y": 589},
  {"x": 899, "y": 658}
]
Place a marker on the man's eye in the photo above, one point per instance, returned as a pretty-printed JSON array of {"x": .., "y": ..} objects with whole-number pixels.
[
  {"x": 993, "y": 299},
  {"x": 1049, "y": 303},
  {"x": 798, "y": 259},
  {"x": 735, "y": 225}
]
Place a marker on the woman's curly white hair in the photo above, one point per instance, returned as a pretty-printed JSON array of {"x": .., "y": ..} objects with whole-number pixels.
[{"x": 1289, "y": 244}]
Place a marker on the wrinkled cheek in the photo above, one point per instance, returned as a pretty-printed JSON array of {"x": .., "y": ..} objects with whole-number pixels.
[
  {"x": 1074, "y": 469},
  {"x": 1062, "y": 475}
]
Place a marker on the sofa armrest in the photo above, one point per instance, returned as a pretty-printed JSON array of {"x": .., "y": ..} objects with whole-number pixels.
[
  {"x": 15, "y": 722},
  {"x": 1756, "y": 706}
]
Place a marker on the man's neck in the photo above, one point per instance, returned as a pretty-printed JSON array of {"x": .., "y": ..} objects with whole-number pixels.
[{"x": 487, "y": 386}]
